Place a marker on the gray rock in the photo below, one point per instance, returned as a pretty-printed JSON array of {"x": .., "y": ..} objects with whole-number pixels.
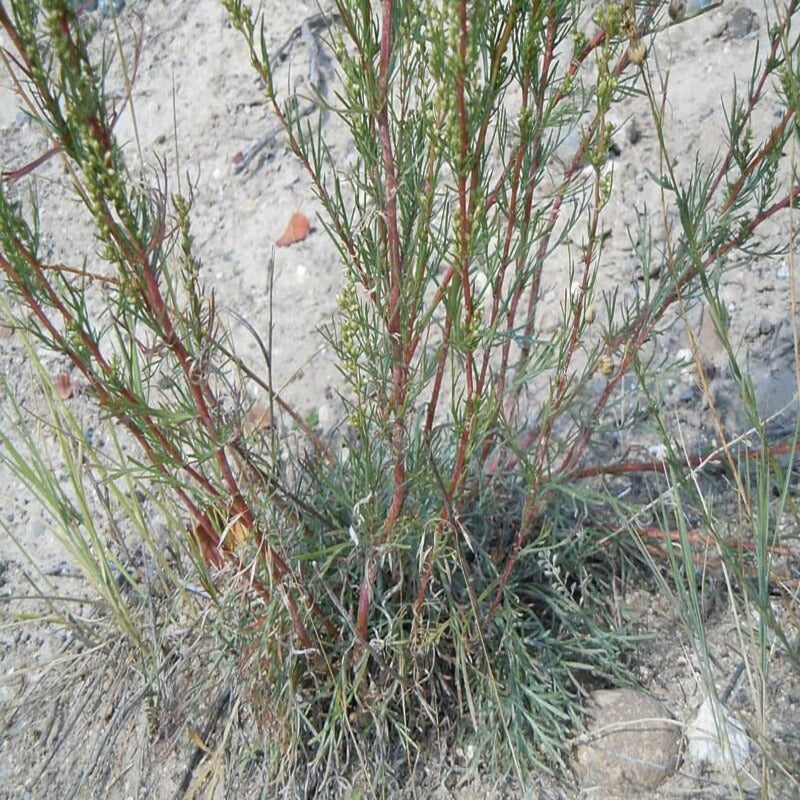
[
  {"x": 106, "y": 7},
  {"x": 765, "y": 326},
  {"x": 631, "y": 745},
  {"x": 683, "y": 9},
  {"x": 777, "y": 398},
  {"x": 111, "y": 7},
  {"x": 742, "y": 23},
  {"x": 688, "y": 393}
]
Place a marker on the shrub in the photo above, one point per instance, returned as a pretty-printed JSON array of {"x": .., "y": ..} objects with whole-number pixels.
[{"x": 451, "y": 565}]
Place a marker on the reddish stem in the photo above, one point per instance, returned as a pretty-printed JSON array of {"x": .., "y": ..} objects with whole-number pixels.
[
  {"x": 399, "y": 335},
  {"x": 691, "y": 462},
  {"x": 704, "y": 539},
  {"x": 756, "y": 94}
]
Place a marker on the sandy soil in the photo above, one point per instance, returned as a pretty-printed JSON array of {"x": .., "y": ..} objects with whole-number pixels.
[{"x": 196, "y": 88}]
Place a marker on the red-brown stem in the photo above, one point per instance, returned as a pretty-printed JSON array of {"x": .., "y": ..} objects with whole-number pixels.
[
  {"x": 465, "y": 203},
  {"x": 691, "y": 462},
  {"x": 642, "y": 331},
  {"x": 706, "y": 563},
  {"x": 756, "y": 95},
  {"x": 572, "y": 70},
  {"x": 768, "y": 147},
  {"x": 459, "y": 475},
  {"x": 697, "y": 537},
  {"x": 365, "y": 597},
  {"x": 643, "y": 327},
  {"x": 531, "y": 511},
  {"x": 13, "y": 175},
  {"x": 278, "y": 565},
  {"x": 424, "y": 226},
  {"x": 151, "y": 295},
  {"x": 574, "y": 66},
  {"x": 541, "y": 94},
  {"x": 28, "y": 68},
  {"x": 13, "y": 34},
  {"x": 425, "y": 579},
  {"x": 511, "y": 223},
  {"x": 390, "y": 176},
  {"x": 87, "y": 342},
  {"x": 160, "y": 313},
  {"x": 438, "y": 377},
  {"x": 475, "y": 180},
  {"x": 544, "y": 244},
  {"x": 399, "y": 335},
  {"x": 516, "y": 297},
  {"x": 157, "y": 308},
  {"x": 562, "y": 378},
  {"x": 104, "y": 396},
  {"x": 533, "y": 507},
  {"x": 465, "y": 233}
]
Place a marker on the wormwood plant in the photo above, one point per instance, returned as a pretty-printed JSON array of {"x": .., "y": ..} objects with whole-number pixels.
[{"x": 449, "y": 569}]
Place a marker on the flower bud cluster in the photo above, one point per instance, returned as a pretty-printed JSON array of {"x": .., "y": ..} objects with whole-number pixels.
[{"x": 349, "y": 343}]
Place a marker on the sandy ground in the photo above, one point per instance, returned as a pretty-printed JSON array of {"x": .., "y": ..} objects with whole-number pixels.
[{"x": 195, "y": 87}]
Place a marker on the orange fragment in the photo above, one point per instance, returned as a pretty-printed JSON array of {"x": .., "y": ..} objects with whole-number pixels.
[
  {"x": 221, "y": 534},
  {"x": 64, "y": 385},
  {"x": 257, "y": 419},
  {"x": 236, "y": 534},
  {"x": 298, "y": 228}
]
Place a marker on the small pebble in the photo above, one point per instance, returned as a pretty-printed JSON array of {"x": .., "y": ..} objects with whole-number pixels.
[
  {"x": 742, "y": 23},
  {"x": 657, "y": 451},
  {"x": 679, "y": 9},
  {"x": 634, "y": 131},
  {"x": 110, "y": 7},
  {"x": 687, "y": 393}
]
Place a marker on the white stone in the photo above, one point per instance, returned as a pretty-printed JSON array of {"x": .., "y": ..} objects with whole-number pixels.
[
  {"x": 325, "y": 417},
  {"x": 717, "y": 738},
  {"x": 481, "y": 282},
  {"x": 657, "y": 451}
]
